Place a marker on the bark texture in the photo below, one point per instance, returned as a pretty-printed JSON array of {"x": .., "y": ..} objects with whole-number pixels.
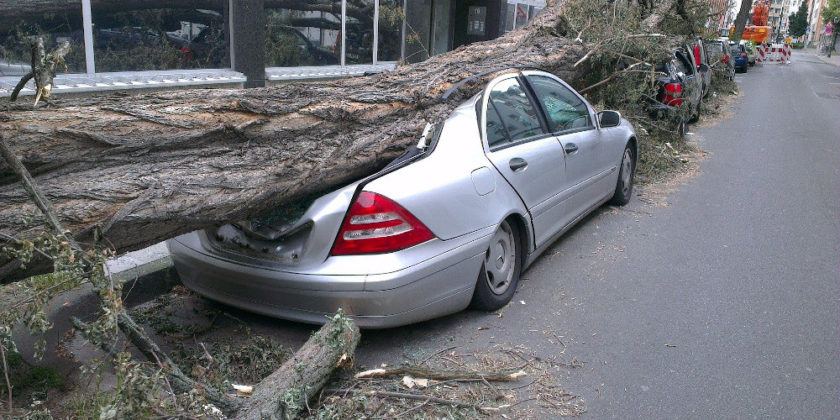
[
  {"x": 284, "y": 393},
  {"x": 149, "y": 167},
  {"x": 741, "y": 19}
]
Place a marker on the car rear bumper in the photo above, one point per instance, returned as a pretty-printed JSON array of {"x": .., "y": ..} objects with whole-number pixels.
[{"x": 435, "y": 287}]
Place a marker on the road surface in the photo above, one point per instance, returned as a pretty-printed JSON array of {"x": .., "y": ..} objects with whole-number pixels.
[{"x": 723, "y": 303}]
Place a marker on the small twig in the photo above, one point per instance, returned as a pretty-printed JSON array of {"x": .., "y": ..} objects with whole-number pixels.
[
  {"x": 49, "y": 289},
  {"x": 499, "y": 394},
  {"x": 525, "y": 400},
  {"x": 437, "y": 353},
  {"x": 521, "y": 386},
  {"x": 417, "y": 407},
  {"x": 168, "y": 385},
  {"x": 417, "y": 397},
  {"x": 449, "y": 359},
  {"x": 612, "y": 76},
  {"x": 6, "y": 373},
  {"x": 18, "y": 241}
]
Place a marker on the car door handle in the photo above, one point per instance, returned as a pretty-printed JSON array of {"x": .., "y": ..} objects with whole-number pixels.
[
  {"x": 570, "y": 148},
  {"x": 517, "y": 164}
]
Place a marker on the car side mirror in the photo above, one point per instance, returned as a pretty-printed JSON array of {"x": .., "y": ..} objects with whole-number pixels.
[{"x": 609, "y": 119}]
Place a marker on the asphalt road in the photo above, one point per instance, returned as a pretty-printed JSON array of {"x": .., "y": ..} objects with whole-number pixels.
[{"x": 722, "y": 303}]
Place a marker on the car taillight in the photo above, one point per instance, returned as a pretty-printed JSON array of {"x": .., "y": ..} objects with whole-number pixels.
[
  {"x": 375, "y": 225},
  {"x": 743, "y": 54},
  {"x": 725, "y": 58},
  {"x": 697, "y": 55},
  {"x": 673, "y": 94}
]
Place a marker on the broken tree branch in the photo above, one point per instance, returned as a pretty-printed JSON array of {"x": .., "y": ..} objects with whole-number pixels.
[
  {"x": 285, "y": 392},
  {"x": 34, "y": 192},
  {"x": 419, "y": 372},
  {"x": 418, "y": 397}
]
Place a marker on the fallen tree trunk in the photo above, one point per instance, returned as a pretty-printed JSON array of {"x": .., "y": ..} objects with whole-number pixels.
[{"x": 149, "y": 167}]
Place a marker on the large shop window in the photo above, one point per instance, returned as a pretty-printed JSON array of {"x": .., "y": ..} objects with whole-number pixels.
[
  {"x": 390, "y": 29},
  {"x": 518, "y": 13},
  {"x": 23, "y": 26},
  {"x": 359, "y": 32},
  {"x": 161, "y": 39},
  {"x": 304, "y": 33}
]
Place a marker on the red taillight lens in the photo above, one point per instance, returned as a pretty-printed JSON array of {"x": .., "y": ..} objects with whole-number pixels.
[
  {"x": 673, "y": 94},
  {"x": 743, "y": 55},
  {"x": 697, "y": 56},
  {"x": 377, "y": 225},
  {"x": 725, "y": 58}
]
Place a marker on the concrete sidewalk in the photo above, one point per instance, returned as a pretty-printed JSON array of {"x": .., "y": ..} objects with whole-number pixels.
[{"x": 834, "y": 60}]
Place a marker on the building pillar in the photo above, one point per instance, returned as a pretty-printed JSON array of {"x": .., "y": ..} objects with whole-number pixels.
[{"x": 247, "y": 40}]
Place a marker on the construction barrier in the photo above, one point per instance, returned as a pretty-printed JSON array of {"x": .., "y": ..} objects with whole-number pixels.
[{"x": 775, "y": 53}]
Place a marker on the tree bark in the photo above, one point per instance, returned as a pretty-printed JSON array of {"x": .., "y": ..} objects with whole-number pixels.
[
  {"x": 152, "y": 166},
  {"x": 284, "y": 393},
  {"x": 741, "y": 19}
]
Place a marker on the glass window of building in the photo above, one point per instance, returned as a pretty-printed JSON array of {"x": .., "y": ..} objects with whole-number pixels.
[
  {"x": 304, "y": 33},
  {"x": 161, "y": 39},
  {"x": 21, "y": 27},
  {"x": 359, "y": 36},
  {"x": 520, "y": 12},
  {"x": 390, "y": 28}
]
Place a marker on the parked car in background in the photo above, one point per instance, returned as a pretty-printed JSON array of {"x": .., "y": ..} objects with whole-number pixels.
[
  {"x": 679, "y": 90},
  {"x": 290, "y": 47},
  {"x": 751, "y": 52},
  {"x": 719, "y": 55},
  {"x": 740, "y": 58},
  {"x": 701, "y": 62},
  {"x": 451, "y": 223}
]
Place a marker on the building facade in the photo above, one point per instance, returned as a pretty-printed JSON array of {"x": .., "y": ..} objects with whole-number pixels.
[{"x": 258, "y": 39}]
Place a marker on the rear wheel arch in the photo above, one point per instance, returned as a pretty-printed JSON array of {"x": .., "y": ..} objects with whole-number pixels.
[
  {"x": 635, "y": 144},
  {"x": 525, "y": 238}
]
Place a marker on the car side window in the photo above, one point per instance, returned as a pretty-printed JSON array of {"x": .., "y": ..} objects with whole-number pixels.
[
  {"x": 510, "y": 114},
  {"x": 686, "y": 63},
  {"x": 564, "y": 109}
]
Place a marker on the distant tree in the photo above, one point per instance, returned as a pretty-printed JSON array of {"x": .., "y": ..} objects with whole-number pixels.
[
  {"x": 741, "y": 20},
  {"x": 832, "y": 11},
  {"x": 799, "y": 21}
]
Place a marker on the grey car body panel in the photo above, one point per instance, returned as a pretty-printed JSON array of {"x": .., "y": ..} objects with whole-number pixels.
[
  {"x": 458, "y": 190},
  {"x": 438, "y": 189}
]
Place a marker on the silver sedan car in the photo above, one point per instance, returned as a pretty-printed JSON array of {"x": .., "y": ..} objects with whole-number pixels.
[{"x": 451, "y": 224}]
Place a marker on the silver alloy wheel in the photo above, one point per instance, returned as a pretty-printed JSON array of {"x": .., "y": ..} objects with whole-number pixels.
[
  {"x": 500, "y": 260},
  {"x": 626, "y": 171}
]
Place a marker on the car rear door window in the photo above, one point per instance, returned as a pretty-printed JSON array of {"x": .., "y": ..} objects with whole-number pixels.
[
  {"x": 510, "y": 114},
  {"x": 564, "y": 110}
]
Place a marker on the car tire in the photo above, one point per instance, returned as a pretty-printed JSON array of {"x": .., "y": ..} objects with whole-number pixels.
[
  {"x": 500, "y": 271},
  {"x": 626, "y": 174},
  {"x": 681, "y": 128},
  {"x": 696, "y": 116}
]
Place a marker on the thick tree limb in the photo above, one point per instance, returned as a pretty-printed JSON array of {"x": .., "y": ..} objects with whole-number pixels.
[
  {"x": 226, "y": 155},
  {"x": 285, "y": 392}
]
